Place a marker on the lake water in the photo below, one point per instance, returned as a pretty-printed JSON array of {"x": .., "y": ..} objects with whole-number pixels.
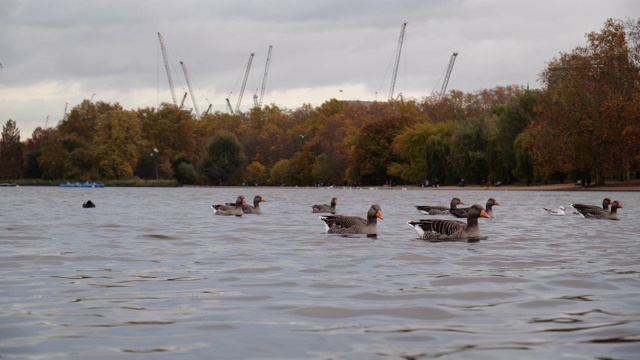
[{"x": 152, "y": 273}]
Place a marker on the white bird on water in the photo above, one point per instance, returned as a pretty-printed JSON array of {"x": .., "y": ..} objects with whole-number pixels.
[{"x": 557, "y": 212}]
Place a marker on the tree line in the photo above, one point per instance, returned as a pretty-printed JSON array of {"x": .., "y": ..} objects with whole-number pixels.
[{"x": 584, "y": 122}]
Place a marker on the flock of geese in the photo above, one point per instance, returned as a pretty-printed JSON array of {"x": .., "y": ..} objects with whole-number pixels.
[{"x": 427, "y": 229}]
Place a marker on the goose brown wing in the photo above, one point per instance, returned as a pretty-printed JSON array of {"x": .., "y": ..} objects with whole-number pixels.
[
  {"x": 590, "y": 210},
  {"x": 321, "y": 208},
  {"x": 459, "y": 212},
  {"x": 439, "y": 226},
  {"x": 584, "y": 207},
  {"x": 224, "y": 207},
  {"x": 342, "y": 221},
  {"x": 429, "y": 208}
]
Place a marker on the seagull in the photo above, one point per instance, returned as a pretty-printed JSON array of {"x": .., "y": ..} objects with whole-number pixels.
[{"x": 557, "y": 212}]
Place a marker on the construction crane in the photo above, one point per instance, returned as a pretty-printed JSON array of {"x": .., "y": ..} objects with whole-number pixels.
[
  {"x": 64, "y": 115},
  {"x": 208, "y": 109},
  {"x": 244, "y": 83},
  {"x": 193, "y": 97},
  {"x": 229, "y": 107},
  {"x": 447, "y": 76},
  {"x": 183, "y": 99},
  {"x": 166, "y": 65},
  {"x": 397, "y": 62},
  {"x": 264, "y": 78}
]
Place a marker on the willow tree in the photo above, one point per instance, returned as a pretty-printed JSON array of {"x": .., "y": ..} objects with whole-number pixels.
[
  {"x": 583, "y": 109},
  {"x": 424, "y": 149}
]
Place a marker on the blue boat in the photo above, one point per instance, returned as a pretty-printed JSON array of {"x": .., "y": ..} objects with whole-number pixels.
[{"x": 84, "y": 185}]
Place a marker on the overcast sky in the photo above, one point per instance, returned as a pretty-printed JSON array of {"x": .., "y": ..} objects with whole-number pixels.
[{"x": 108, "y": 50}]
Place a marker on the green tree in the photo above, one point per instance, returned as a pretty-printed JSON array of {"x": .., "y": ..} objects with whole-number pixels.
[
  {"x": 11, "y": 152},
  {"x": 424, "y": 149},
  {"x": 223, "y": 158},
  {"x": 511, "y": 121},
  {"x": 469, "y": 150},
  {"x": 186, "y": 174}
]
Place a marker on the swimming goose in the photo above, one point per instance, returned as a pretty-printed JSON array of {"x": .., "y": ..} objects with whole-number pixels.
[
  {"x": 324, "y": 208},
  {"x": 462, "y": 212},
  {"x": 89, "y": 204},
  {"x": 439, "y": 210},
  {"x": 441, "y": 230},
  {"x": 557, "y": 212},
  {"x": 341, "y": 224},
  {"x": 229, "y": 210},
  {"x": 605, "y": 205},
  {"x": 597, "y": 213},
  {"x": 255, "y": 209}
]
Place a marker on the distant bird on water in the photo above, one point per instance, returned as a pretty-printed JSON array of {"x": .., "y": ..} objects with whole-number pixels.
[
  {"x": 324, "y": 208},
  {"x": 462, "y": 212},
  {"x": 439, "y": 210},
  {"x": 556, "y": 212},
  {"x": 230, "y": 210}
]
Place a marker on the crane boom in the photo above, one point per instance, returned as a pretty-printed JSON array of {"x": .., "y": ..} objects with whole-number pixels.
[
  {"x": 264, "y": 78},
  {"x": 448, "y": 75},
  {"x": 244, "y": 82},
  {"x": 397, "y": 62},
  {"x": 193, "y": 96},
  {"x": 64, "y": 115},
  {"x": 229, "y": 107},
  {"x": 183, "y": 99},
  {"x": 166, "y": 65}
]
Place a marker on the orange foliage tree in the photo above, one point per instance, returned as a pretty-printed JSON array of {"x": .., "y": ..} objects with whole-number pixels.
[{"x": 582, "y": 112}]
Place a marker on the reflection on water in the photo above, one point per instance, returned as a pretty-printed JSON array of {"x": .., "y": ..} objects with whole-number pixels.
[{"x": 152, "y": 272}]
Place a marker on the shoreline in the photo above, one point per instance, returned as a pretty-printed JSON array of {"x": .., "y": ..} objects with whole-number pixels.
[{"x": 629, "y": 185}]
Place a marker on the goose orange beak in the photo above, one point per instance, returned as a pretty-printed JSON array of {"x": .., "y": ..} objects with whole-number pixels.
[
  {"x": 379, "y": 215},
  {"x": 484, "y": 214},
  {"x": 496, "y": 203},
  {"x": 620, "y": 205},
  {"x": 263, "y": 200},
  {"x": 462, "y": 202}
]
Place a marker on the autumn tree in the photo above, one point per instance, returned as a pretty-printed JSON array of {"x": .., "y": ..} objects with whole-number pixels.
[
  {"x": 372, "y": 154},
  {"x": 281, "y": 174},
  {"x": 582, "y": 112},
  {"x": 169, "y": 134},
  {"x": 117, "y": 143},
  {"x": 76, "y": 134},
  {"x": 11, "y": 152},
  {"x": 256, "y": 173}
]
